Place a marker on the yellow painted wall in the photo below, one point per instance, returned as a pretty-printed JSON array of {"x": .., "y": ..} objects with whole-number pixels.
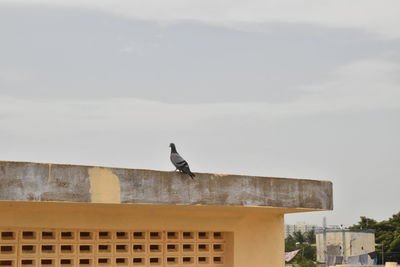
[
  {"x": 104, "y": 186},
  {"x": 258, "y": 233}
]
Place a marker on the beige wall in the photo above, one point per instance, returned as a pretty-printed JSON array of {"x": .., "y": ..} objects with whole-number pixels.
[
  {"x": 360, "y": 243},
  {"x": 258, "y": 233},
  {"x": 345, "y": 244}
]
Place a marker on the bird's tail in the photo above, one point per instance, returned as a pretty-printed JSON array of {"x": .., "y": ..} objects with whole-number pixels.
[{"x": 191, "y": 174}]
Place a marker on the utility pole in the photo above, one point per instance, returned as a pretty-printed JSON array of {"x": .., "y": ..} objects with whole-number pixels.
[{"x": 325, "y": 241}]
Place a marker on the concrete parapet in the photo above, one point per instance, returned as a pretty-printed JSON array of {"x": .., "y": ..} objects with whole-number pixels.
[{"x": 26, "y": 181}]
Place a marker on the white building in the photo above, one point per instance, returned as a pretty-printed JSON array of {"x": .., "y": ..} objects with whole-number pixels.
[
  {"x": 300, "y": 226},
  {"x": 345, "y": 243}
]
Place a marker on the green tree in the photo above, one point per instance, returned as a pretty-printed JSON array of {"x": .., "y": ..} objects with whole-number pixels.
[
  {"x": 387, "y": 235},
  {"x": 310, "y": 252},
  {"x": 307, "y": 253},
  {"x": 306, "y": 263},
  {"x": 364, "y": 223},
  {"x": 290, "y": 243},
  {"x": 299, "y": 237},
  {"x": 310, "y": 236}
]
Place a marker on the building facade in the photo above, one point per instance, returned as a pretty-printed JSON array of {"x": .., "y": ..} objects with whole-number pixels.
[
  {"x": 69, "y": 215},
  {"x": 303, "y": 227},
  {"x": 344, "y": 242}
]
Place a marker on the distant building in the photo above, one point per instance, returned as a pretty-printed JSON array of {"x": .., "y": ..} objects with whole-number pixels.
[
  {"x": 344, "y": 242},
  {"x": 303, "y": 227}
]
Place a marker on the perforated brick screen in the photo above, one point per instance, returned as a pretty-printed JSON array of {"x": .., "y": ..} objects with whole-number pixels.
[{"x": 70, "y": 247}]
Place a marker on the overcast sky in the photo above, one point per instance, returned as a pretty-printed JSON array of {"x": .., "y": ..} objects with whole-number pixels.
[{"x": 304, "y": 89}]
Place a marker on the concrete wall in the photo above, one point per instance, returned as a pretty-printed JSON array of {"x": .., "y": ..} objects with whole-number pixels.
[
  {"x": 22, "y": 181},
  {"x": 257, "y": 235},
  {"x": 345, "y": 243}
]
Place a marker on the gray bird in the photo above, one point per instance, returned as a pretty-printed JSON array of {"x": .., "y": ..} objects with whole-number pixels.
[{"x": 179, "y": 163}]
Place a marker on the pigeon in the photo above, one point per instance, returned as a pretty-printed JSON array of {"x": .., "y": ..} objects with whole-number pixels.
[{"x": 179, "y": 162}]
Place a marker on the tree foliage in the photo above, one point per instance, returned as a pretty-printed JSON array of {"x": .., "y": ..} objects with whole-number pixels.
[
  {"x": 306, "y": 263},
  {"x": 387, "y": 235},
  {"x": 364, "y": 223},
  {"x": 299, "y": 237},
  {"x": 306, "y": 243},
  {"x": 310, "y": 237},
  {"x": 290, "y": 243}
]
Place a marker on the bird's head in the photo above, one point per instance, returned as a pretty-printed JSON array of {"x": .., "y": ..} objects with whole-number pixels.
[{"x": 172, "y": 146}]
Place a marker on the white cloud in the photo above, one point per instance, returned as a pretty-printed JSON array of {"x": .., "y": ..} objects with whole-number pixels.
[
  {"x": 361, "y": 86},
  {"x": 378, "y": 17},
  {"x": 10, "y": 77}
]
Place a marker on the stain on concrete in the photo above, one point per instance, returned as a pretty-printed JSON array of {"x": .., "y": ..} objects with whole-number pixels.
[
  {"x": 104, "y": 186},
  {"x": 334, "y": 249},
  {"x": 66, "y": 183}
]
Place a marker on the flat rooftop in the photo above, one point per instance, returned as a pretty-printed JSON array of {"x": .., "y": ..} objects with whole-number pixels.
[
  {"x": 368, "y": 231},
  {"x": 41, "y": 182}
]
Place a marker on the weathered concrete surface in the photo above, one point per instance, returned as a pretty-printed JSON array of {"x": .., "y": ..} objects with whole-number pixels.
[{"x": 25, "y": 181}]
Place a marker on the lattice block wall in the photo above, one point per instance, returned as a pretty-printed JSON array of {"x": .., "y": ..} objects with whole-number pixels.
[{"x": 68, "y": 247}]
